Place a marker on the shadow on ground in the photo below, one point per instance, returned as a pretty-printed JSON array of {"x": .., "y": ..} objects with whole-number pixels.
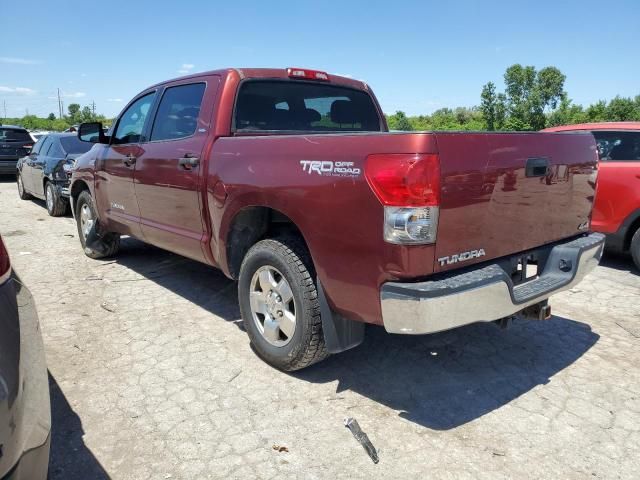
[
  {"x": 619, "y": 261},
  {"x": 70, "y": 459},
  {"x": 439, "y": 381}
]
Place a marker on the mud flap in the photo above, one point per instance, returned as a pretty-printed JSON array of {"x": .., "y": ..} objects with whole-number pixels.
[{"x": 340, "y": 334}]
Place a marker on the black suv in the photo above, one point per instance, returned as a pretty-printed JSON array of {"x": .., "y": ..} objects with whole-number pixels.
[{"x": 15, "y": 142}]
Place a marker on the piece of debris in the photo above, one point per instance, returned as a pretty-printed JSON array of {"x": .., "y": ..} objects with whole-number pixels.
[
  {"x": 92, "y": 278},
  {"x": 362, "y": 437},
  {"x": 108, "y": 307},
  {"x": 498, "y": 453},
  {"x": 280, "y": 448},
  {"x": 68, "y": 235},
  {"x": 24, "y": 253}
]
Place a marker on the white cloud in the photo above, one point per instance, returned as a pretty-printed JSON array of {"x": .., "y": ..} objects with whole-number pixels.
[
  {"x": 186, "y": 68},
  {"x": 74, "y": 94},
  {"x": 17, "y": 90},
  {"x": 18, "y": 61},
  {"x": 117, "y": 100},
  {"x": 83, "y": 74}
]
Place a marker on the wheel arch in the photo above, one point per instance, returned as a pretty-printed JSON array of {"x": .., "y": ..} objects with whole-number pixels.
[{"x": 248, "y": 226}]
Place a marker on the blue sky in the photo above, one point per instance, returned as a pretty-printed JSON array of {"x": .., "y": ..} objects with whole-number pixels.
[{"x": 418, "y": 56}]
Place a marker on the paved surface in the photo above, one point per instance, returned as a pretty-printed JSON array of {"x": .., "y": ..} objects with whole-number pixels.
[{"x": 153, "y": 378}]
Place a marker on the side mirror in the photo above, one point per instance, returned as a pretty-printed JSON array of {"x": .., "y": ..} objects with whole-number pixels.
[{"x": 92, "y": 132}]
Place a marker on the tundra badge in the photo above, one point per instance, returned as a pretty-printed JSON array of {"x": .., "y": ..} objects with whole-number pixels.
[{"x": 461, "y": 257}]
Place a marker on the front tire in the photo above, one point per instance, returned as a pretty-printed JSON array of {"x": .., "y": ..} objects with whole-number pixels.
[
  {"x": 56, "y": 204},
  {"x": 94, "y": 245},
  {"x": 635, "y": 248},
  {"x": 21, "y": 190},
  {"x": 279, "y": 304}
]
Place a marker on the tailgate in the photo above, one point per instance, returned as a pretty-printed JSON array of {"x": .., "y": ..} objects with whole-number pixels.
[{"x": 503, "y": 193}]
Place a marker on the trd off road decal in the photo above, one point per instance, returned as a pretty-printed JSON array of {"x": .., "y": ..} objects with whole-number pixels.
[{"x": 330, "y": 169}]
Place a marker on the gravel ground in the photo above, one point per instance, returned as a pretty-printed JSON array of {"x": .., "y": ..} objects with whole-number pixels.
[{"x": 152, "y": 378}]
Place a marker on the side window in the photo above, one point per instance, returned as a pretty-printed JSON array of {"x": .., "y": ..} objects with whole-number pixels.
[
  {"x": 178, "y": 112},
  {"x": 44, "y": 145},
  {"x": 132, "y": 120},
  {"x": 618, "y": 146},
  {"x": 36, "y": 148},
  {"x": 56, "y": 149}
]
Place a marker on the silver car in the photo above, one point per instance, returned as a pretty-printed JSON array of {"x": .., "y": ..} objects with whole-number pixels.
[{"x": 25, "y": 411}]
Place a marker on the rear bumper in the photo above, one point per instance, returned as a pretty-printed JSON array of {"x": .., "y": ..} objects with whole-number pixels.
[
  {"x": 484, "y": 294},
  {"x": 8, "y": 166}
]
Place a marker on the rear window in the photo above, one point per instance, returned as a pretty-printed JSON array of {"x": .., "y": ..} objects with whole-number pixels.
[
  {"x": 303, "y": 106},
  {"x": 74, "y": 145},
  {"x": 14, "y": 135},
  {"x": 618, "y": 146}
]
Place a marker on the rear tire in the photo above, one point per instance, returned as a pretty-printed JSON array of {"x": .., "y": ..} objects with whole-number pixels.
[
  {"x": 279, "y": 304},
  {"x": 635, "y": 248},
  {"x": 95, "y": 245},
  {"x": 56, "y": 204},
  {"x": 21, "y": 191}
]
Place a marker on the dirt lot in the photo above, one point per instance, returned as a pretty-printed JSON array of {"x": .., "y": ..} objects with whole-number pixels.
[{"x": 152, "y": 378}]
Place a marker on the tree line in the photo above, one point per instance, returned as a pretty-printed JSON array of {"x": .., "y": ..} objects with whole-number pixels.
[
  {"x": 532, "y": 100},
  {"x": 76, "y": 114}
]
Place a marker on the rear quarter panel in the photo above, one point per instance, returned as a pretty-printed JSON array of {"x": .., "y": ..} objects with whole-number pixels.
[
  {"x": 618, "y": 195},
  {"x": 339, "y": 216}
]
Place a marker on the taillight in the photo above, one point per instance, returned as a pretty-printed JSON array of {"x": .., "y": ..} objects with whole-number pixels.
[
  {"x": 408, "y": 185},
  {"x": 5, "y": 264},
  {"x": 307, "y": 74}
]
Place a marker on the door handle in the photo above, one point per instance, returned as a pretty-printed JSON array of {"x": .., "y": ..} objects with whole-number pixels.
[
  {"x": 188, "y": 162},
  {"x": 129, "y": 160}
]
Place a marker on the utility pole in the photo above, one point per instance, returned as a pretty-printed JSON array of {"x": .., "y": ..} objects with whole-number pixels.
[
  {"x": 4, "y": 102},
  {"x": 59, "y": 105},
  {"x": 93, "y": 107}
]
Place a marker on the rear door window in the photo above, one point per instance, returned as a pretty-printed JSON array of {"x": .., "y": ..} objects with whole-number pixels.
[
  {"x": 618, "y": 146},
  {"x": 281, "y": 105},
  {"x": 178, "y": 112},
  {"x": 74, "y": 145},
  {"x": 46, "y": 144},
  {"x": 56, "y": 149}
]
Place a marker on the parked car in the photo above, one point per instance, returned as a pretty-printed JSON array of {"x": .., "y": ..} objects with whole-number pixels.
[
  {"x": 25, "y": 411},
  {"x": 46, "y": 171},
  {"x": 37, "y": 134},
  {"x": 15, "y": 142},
  {"x": 288, "y": 181},
  {"x": 617, "y": 207}
]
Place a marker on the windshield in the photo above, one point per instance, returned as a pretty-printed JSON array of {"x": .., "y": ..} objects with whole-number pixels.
[
  {"x": 281, "y": 105},
  {"x": 74, "y": 145},
  {"x": 14, "y": 135}
]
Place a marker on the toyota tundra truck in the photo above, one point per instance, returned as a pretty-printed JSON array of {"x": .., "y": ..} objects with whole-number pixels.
[{"x": 289, "y": 181}]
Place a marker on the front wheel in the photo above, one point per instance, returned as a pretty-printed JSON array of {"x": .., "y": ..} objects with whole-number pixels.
[
  {"x": 279, "y": 304},
  {"x": 95, "y": 245}
]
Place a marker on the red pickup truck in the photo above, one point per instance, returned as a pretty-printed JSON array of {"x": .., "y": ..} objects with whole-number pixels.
[{"x": 289, "y": 181}]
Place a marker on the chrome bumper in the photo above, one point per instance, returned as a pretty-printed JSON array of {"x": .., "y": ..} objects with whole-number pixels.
[{"x": 485, "y": 294}]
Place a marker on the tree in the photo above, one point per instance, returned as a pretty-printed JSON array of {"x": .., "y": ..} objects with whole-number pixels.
[
  {"x": 597, "y": 112},
  {"x": 621, "y": 110},
  {"x": 399, "y": 121},
  {"x": 493, "y": 107},
  {"x": 51, "y": 117},
  {"x": 529, "y": 95},
  {"x": 86, "y": 114},
  {"x": 74, "y": 112}
]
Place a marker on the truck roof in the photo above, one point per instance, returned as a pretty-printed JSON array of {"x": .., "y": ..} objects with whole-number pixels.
[
  {"x": 278, "y": 73},
  {"x": 596, "y": 126}
]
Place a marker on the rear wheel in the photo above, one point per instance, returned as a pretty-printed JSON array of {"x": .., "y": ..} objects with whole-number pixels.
[
  {"x": 635, "y": 248},
  {"x": 279, "y": 304},
  {"x": 95, "y": 245},
  {"x": 56, "y": 204},
  {"x": 21, "y": 191}
]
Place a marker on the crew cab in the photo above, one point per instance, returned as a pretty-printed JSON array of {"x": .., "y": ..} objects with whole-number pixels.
[
  {"x": 289, "y": 182},
  {"x": 616, "y": 211}
]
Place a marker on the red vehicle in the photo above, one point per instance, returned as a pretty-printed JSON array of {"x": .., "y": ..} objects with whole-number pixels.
[
  {"x": 288, "y": 181},
  {"x": 616, "y": 211}
]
